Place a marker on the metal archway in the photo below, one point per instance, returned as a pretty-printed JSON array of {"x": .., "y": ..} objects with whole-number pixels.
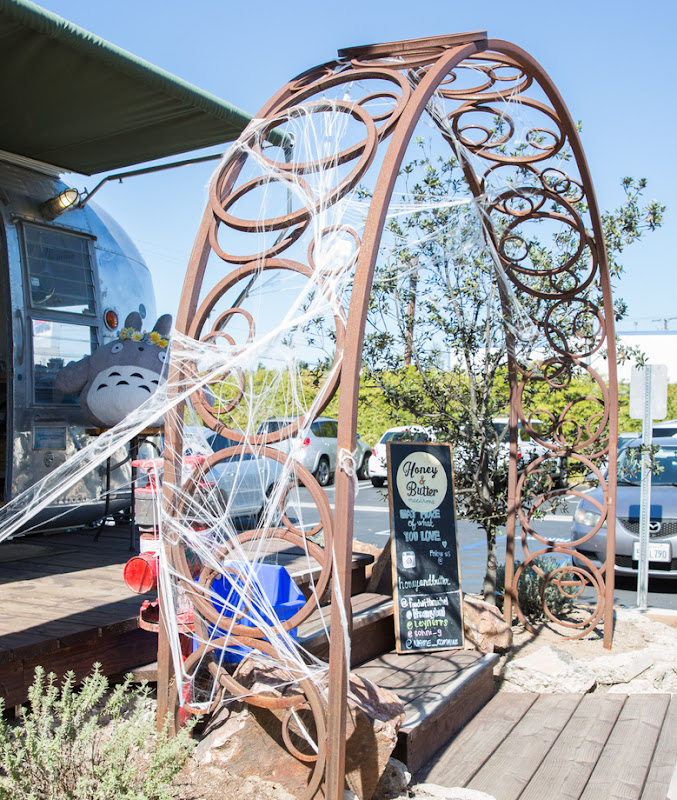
[{"x": 470, "y": 76}]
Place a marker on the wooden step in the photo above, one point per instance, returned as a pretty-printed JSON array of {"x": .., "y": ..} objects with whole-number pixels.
[
  {"x": 441, "y": 692},
  {"x": 373, "y": 629},
  {"x": 373, "y": 633},
  {"x": 374, "y": 610},
  {"x": 302, "y": 575}
]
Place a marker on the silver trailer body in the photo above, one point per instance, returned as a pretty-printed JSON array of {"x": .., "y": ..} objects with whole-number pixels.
[
  {"x": 80, "y": 103},
  {"x": 59, "y": 282}
]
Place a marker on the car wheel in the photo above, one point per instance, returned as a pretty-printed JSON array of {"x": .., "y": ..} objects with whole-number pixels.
[
  {"x": 378, "y": 482},
  {"x": 363, "y": 471},
  {"x": 322, "y": 473},
  {"x": 563, "y": 477},
  {"x": 266, "y": 500}
]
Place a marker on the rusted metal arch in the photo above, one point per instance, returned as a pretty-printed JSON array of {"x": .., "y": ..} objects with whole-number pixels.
[
  {"x": 352, "y": 362},
  {"x": 429, "y": 62}
]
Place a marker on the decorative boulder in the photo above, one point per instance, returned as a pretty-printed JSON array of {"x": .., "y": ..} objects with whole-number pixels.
[
  {"x": 244, "y": 741},
  {"x": 484, "y": 626},
  {"x": 394, "y": 780},
  {"x": 118, "y": 377},
  {"x": 549, "y": 669}
]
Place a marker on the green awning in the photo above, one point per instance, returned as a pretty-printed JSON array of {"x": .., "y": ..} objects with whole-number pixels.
[{"x": 80, "y": 103}]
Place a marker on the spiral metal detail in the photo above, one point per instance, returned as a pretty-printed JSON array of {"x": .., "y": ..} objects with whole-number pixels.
[{"x": 520, "y": 152}]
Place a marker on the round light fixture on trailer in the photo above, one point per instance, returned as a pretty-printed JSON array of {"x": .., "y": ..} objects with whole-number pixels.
[{"x": 110, "y": 317}]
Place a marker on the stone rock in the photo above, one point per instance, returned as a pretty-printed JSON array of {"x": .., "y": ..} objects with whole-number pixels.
[
  {"x": 221, "y": 733},
  {"x": 202, "y": 781},
  {"x": 660, "y": 678},
  {"x": 664, "y": 676},
  {"x": 393, "y": 781},
  {"x": 421, "y": 791},
  {"x": 248, "y": 741},
  {"x": 637, "y": 686},
  {"x": 620, "y": 668},
  {"x": 655, "y": 633},
  {"x": 484, "y": 626},
  {"x": 549, "y": 669},
  {"x": 375, "y": 715}
]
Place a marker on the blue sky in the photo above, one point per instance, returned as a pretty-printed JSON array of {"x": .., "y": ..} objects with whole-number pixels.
[{"x": 611, "y": 61}]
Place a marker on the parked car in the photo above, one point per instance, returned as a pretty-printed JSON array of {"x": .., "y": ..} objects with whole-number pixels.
[
  {"x": 529, "y": 450},
  {"x": 316, "y": 448},
  {"x": 666, "y": 428},
  {"x": 663, "y": 514},
  {"x": 624, "y": 439},
  {"x": 378, "y": 471},
  {"x": 241, "y": 483}
]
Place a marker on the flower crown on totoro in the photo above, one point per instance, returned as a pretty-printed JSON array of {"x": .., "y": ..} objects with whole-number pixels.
[{"x": 142, "y": 336}]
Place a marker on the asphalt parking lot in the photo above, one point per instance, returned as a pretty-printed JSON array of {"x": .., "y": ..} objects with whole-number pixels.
[{"x": 372, "y": 527}]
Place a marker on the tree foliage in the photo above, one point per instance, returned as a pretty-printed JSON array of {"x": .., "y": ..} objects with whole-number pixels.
[{"x": 440, "y": 302}]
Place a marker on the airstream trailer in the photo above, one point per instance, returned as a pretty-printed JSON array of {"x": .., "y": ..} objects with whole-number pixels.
[
  {"x": 66, "y": 285},
  {"x": 74, "y": 103}
]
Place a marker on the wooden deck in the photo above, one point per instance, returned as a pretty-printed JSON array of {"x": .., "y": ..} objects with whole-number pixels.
[
  {"x": 564, "y": 746},
  {"x": 65, "y": 605}
]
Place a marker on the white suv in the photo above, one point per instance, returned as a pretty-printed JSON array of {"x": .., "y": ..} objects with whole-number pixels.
[
  {"x": 529, "y": 450},
  {"x": 378, "y": 471},
  {"x": 316, "y": 450}
]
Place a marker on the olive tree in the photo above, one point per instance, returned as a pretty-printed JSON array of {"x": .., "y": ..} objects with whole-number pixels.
[{"x": 436, "y": 342}]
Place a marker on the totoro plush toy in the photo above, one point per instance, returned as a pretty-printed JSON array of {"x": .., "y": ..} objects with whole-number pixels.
[{"x": 118, "y": 377}]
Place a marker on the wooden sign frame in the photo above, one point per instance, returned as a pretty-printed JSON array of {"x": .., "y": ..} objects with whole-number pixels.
[{"x": 427, "y": 595}]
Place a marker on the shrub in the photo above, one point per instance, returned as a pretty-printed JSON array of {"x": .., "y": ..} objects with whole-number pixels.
[
  {"x": 529, "y": 589},
  {"x": 90, "y": 744}
]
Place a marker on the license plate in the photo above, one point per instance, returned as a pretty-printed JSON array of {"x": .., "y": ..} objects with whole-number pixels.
[{"x": 657, "y": 552}]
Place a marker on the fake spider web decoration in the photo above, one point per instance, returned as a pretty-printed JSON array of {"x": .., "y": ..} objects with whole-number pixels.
[{"x": 279, "y": 246}]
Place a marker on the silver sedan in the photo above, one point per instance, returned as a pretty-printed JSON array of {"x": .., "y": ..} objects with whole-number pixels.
[{"x": 663, "y": 514}]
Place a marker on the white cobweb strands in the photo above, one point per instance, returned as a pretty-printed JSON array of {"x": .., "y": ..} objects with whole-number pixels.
[
  {"x": 186, "y": 354},
  {"x": 246, "y": 532},
  {"x": 221, "y": 550},
  {"x": 516, "y": 318},
  {"x": 528, "y": 201}
]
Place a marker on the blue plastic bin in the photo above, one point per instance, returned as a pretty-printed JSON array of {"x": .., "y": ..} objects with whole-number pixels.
[{"x": 269, "y": 581}]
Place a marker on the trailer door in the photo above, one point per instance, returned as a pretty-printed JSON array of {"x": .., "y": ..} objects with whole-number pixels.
[
  {"x": 5, "y": 363},
  {"x": 61, "y": 306}
]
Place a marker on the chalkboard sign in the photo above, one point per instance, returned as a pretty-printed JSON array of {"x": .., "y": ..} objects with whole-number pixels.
[{"x": 426, "y": 581}]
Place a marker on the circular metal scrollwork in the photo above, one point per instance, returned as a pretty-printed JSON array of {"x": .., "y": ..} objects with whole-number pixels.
[{"x": 522, "y": 160}]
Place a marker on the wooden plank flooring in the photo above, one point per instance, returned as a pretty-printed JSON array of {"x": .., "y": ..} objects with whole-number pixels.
[
  {"x": 564, "y": 747},
  {"x": 65, "y": 604},
  {"x": 61, "y": 586},
  {"x": 51, "y": 585},
  {"x": 440, "y": 691}
]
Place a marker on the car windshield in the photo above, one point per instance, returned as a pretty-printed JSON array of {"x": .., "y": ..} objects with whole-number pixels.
[
  {"x": 404, "y": 436},
  {"x": 270, "y": 426},
  {"x": 500, "y": 427},
  {"x": 664, "y": 472},
  {"x": 218, "y": 442}
]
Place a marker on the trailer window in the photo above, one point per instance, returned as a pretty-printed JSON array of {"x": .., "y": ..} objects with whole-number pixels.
[
  {"x": 55, "y": 344},
  {"x": 59, "y": 270}
]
